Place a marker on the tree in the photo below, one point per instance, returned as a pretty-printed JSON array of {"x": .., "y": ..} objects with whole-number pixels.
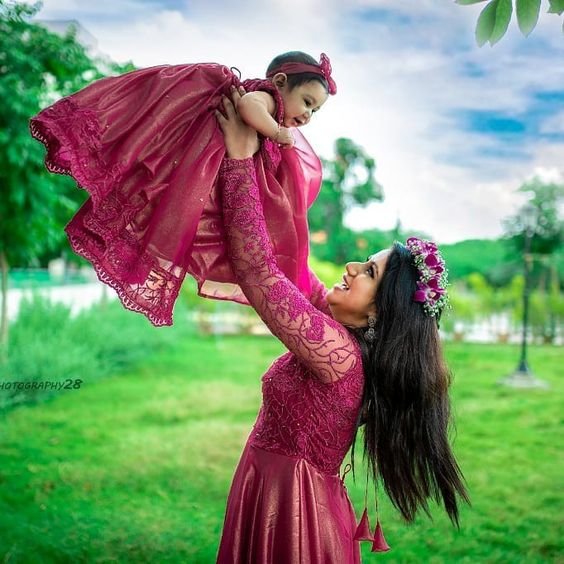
[
  {"x": 348, "y": 181},
  {"x": 463, "y": 312},
  {"x": 546, "y": 244},
  {"x": 548, "y": 233},
  {"x": 36, "y": 68},
  {"x": 495, "y": 17}
]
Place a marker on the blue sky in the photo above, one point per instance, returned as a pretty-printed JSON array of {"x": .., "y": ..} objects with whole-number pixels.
[{"x": 455, "y": 129}]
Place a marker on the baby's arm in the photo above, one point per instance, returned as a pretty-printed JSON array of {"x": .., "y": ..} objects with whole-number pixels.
[{"x": 256, "y": 109}]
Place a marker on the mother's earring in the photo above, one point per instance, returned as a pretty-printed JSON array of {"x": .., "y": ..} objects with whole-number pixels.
[{"x": 370, "y": 335}]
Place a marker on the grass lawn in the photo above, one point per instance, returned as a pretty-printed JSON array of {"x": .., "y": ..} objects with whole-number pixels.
[{"x": 136, "y": 468}]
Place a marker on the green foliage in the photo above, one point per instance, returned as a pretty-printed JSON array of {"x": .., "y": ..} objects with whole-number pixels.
[
  {"x": 496, "y": 300},
  {"x": 348, "y": 181},
  {"x": 491, "y": 258},
  {"x": 548, "y": 232},
  {"x": 36, "y": 67},
  {"x": 356, "y": 245},
  {"x": 504, "y": 11},
  {"x": 527, "y": 15},
  {"x": 34, "y": 62},
  {"x": 546, "y": 303},
  {"x": 494, "y": 19},
  {"x": 326, "y": 271},
  {"x": 546, "y": 313},
  {"x": 486, "y": 23},
  {"x": 547, "y": 254},
  {"x": 479, "y": 285},
  {"x": 213, "y": 315},
  {"x": 556, "y": 7},
  {"x": 189, "y": 297},
  {"x": 464, "y": 308},
  {"x": 499, "y": 261},
  {"x": 474, "y": 299}
]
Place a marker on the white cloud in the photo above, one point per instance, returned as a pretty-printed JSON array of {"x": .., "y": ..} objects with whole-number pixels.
[
  {"x": 399, "y": 89},
  {"x": 548, "y": 175}
]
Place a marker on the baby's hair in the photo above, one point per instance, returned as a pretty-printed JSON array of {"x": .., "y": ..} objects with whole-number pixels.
[{"x": 299, "y": 78}]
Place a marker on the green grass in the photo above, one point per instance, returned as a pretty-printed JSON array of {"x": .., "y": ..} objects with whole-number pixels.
[{"x": 136, "y": 467}]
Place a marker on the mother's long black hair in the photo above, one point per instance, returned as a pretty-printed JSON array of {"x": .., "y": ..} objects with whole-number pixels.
[{"x": 406, "y": 407}]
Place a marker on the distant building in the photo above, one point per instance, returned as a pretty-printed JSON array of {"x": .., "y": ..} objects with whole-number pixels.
[{"x": 84, "y": 37}]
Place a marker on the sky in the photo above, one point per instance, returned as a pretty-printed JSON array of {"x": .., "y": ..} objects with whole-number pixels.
[{"x": 455, "y": 129}]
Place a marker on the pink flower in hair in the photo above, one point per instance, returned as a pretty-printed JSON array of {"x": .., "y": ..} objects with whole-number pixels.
[
  {"x": 428, "y": 291},
  {"x": 433, "y": 276}
]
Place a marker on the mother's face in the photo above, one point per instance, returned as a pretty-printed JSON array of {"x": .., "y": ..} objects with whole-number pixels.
[{"x": 352, "y": 302}]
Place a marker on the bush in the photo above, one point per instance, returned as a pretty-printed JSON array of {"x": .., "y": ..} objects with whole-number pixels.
[
  {"x": 47, "y": 344},
  {"x": 327, "y": 272}
]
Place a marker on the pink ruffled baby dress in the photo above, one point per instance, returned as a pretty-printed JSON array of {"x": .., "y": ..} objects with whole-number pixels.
[{"x": 147, "y": 148}]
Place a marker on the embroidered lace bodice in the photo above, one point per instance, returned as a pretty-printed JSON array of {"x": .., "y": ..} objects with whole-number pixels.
[{"x": 311, "y": 394}]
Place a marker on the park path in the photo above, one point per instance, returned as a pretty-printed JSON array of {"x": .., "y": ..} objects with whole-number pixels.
[
  {"x": 76, "y": 296},
  {"x": 82, "y": 296}
]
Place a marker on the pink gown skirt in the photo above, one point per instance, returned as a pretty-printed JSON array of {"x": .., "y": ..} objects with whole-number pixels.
[
  {"x": 147, "y": 148},
  {"x": 282, "y": 510}
]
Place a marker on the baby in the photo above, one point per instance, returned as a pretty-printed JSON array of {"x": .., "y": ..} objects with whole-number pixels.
[
  {"x": 147, "y": 148},
  {"x": 304, "y": 86}
]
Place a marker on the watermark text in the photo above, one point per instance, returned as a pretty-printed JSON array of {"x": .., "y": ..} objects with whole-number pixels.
[{"x": 68, "y": 384}]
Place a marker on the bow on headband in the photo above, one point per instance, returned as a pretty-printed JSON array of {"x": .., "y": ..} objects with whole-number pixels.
[{"x": 326, "y": 70}]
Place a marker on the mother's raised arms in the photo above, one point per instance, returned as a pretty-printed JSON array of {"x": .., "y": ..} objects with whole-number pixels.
[{"x": 241, "y": 141}]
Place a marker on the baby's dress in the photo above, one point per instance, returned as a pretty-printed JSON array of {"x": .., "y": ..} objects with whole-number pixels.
[
  {"x": 147, "y": 148},
  {"x": 287, "y": 503}
]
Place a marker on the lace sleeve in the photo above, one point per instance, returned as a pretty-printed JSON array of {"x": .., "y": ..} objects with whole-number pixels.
[{"x": 319, "y": 341}]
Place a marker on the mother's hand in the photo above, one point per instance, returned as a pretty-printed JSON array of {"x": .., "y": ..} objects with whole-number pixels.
[{"x": 241, "y": 141}]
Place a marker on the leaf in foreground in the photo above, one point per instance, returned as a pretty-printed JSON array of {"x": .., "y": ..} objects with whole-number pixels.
[{"x": 527, "y": 15}]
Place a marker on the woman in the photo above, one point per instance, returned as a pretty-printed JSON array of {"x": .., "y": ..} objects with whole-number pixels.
[{"x": 363, "y": 353}]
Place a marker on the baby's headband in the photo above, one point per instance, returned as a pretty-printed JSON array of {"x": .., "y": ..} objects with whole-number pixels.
[{"x": 323, "y": 68}]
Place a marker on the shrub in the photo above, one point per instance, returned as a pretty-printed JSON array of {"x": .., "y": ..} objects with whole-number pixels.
[{"x": 47, "y": 344}]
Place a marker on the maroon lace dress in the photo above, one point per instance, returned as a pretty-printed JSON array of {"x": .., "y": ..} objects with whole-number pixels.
[
  {"x": 287, "y": 503},
  {"x": 147, "y": 148}
]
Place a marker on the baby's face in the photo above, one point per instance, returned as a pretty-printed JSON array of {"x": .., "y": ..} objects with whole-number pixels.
[{"x": 301, "y": 102}]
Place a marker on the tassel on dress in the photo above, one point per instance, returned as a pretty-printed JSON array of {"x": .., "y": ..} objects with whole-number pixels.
[
  {"x": 379, "y": 544},
  {"x": 363, "y": 533},
  {"x": 363, "y": 529}
]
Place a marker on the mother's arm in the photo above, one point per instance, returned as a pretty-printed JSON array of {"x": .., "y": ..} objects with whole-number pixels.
[
  {"x": 318, "y": 340},
  {"x": 241, "y": 142}
]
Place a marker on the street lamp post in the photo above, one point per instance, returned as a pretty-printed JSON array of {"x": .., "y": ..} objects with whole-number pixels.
[
  {"x": 528, "y": 217},
  {"x": 523, "y": 377}
]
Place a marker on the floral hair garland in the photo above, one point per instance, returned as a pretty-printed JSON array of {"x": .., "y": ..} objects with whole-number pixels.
[{"x": 433, "y": 275}]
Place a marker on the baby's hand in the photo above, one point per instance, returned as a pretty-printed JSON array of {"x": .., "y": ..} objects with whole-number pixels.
[{"x": 284, "y": 137}]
